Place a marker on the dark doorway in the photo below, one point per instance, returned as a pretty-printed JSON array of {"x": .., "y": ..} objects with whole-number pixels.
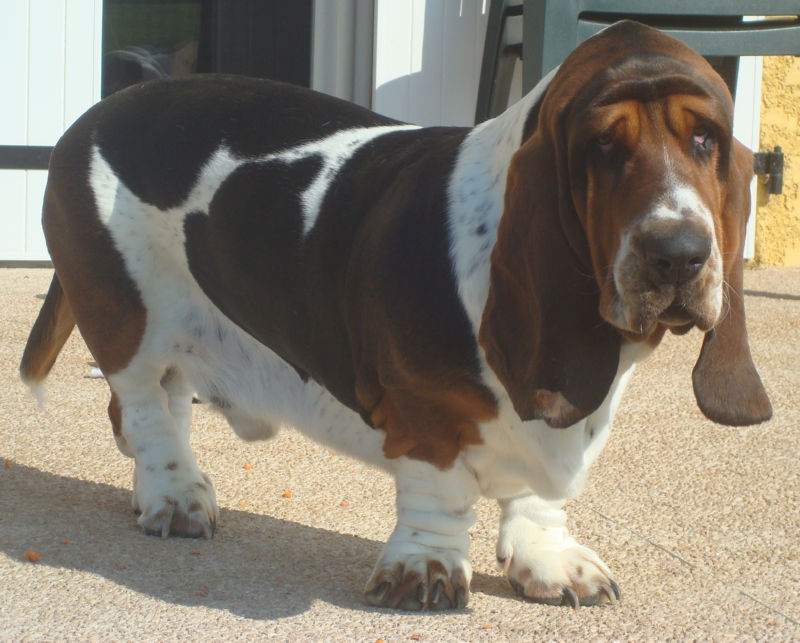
[{"x": 145, "y": 39}]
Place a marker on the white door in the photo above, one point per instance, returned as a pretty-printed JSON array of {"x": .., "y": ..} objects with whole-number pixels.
[
  {"x": 746, "y": 116},
  {"x": 51, "y": 53}
]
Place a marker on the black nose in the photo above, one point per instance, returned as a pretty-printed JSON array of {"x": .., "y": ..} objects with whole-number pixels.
[{"x": 675, "y": 258}]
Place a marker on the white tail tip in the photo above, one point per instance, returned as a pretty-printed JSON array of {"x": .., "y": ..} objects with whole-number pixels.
[{"x": 38, "y": 391}]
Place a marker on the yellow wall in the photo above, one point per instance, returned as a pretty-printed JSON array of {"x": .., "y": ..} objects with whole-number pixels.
[{"x": 778, "y": 215}]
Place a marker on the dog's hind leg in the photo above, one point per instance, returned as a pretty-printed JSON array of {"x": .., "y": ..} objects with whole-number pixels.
[
  {"x": 170, "y": 492},
  {"x": 179, "y": 398},
  {"x": 103, "y": 294}
]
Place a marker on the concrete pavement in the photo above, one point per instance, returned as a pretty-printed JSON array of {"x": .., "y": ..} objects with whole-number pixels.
[{"x": 699, "y": 523}]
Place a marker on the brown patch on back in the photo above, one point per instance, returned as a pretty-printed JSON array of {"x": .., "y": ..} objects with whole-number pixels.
[{"x": 104, "y": 299}]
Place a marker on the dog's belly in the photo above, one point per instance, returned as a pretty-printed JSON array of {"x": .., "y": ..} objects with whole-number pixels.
[{"x": 256, "y": 390}]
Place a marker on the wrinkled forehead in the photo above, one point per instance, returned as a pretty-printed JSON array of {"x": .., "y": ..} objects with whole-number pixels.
[
  {"x": 631, "y": 61},
  {"x": 649, "y": 77}
]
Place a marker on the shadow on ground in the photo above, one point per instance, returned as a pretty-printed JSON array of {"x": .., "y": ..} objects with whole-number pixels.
[{"x": 256, "y": 566}]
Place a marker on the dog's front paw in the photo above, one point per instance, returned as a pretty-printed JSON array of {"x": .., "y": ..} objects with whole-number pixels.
[
  {"x": 547, "y": 565},
  {"x": 435, "y": 580},
  {"x": 174, "y": 499}
]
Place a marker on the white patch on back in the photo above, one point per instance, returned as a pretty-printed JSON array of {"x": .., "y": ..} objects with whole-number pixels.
[
  {"x": 334, "y": 152},
  {"x": 213, "y": 173}
]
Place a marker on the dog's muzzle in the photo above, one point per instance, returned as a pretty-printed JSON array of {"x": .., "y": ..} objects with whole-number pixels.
[{"x": 668, "y": 272}]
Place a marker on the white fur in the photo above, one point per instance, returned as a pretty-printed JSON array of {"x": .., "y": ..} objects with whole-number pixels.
[
  {"x": 540, "y": 557},
  {"x": 518, "y": 458},
  {"x": 476, "y": 191},
  {"x": 335, "y": 151},
  {"x": 681, "y": 203},
  {"x": 434, "y": 512}
]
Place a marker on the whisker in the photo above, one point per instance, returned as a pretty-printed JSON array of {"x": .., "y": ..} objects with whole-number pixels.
[{"x": 726, "y": 302}]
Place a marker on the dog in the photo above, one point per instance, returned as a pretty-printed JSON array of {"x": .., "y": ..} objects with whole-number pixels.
[{"x": 460, "y": 307}]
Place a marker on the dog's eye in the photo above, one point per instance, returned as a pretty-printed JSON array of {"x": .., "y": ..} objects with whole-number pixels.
[
  {"x": 701, "y": 137},
  {"x": 605, "y": 143}
]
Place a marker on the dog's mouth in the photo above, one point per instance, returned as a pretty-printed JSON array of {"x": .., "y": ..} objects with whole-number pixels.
[
  {"x": 676, "y": 314},
  {"x": 640, "y": 308},
  {"x": 677, "y": 308}
]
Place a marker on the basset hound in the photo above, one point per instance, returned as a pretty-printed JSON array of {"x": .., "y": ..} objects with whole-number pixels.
[{"x": 460, "y": 307}]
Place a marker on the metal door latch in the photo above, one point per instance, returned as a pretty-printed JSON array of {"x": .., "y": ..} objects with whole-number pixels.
[{"x": 770, "y": 163}]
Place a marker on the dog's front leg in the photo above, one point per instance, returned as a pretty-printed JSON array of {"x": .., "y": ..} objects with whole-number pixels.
[
  {"x": 543, "y": 561},
  {"x": 425, "y": 564}
]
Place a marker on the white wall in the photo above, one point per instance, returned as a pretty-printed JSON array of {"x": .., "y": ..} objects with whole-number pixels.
[
  {"x": 428, "y": 59},
  {"x": 342, "y": 49},
  {"x": 51, "y": 53},
  {"x": 746, "y": 122}
]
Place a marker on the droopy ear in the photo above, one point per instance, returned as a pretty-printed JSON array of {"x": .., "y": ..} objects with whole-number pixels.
[
  {"x": 726, "y": 384},
  {"x": 541, "y": 329}
]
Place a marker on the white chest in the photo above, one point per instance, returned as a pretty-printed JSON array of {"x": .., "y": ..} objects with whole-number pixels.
[{"x": 518, "y": 457}]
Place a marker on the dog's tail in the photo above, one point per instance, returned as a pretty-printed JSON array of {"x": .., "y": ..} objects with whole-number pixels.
[{"x": 47, "y": 337}]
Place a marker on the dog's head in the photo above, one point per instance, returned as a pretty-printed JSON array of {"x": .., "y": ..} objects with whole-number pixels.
[{"x": 625, "y": 214}]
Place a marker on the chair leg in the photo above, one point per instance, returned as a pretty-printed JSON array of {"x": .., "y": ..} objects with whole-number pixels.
[
  {"x": 491, "y": 53},
  {"x": 501, "y": 87}
]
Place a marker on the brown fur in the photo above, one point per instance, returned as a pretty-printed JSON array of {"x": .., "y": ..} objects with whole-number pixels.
[
  {"x": 50, "y": 332},
  {"x": 541, "y": 329},
  {"x": 726, "y": 383},
  {"x": 429, "y": 425}
]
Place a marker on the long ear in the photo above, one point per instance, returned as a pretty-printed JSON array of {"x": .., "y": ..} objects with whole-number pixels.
[
  {"x": 541, "y": 329},
  {"x": 726, "y": 383}
]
